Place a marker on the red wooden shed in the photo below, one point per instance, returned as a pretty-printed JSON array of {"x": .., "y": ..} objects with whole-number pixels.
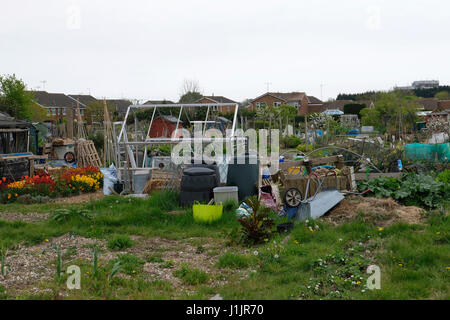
[{"x": 163, "y": 126}]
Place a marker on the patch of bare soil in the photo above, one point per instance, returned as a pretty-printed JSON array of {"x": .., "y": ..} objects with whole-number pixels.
[
  {"x": 28, "y": 266},
  {"x": 85, "y": 197},
  {"x": 25, "y": 217},
  {"x": 382, "y": 212},
  {"x": 176, "y": 252}
]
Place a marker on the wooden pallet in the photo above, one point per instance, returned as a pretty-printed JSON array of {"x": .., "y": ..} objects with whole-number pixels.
[{"x": 87, "y": 154}]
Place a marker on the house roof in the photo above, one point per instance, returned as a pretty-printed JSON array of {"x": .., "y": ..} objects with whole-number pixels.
[
  {"x": 218, "y": 99},
  {"x": 285, "y": 96},
  {"x": 121, "y": 104},
  {"x": 338, "y": 104},
  {"x": 47, "y": 99},
  {"x": 428, "y": 103},
  {"x": 84, "y": 99},
  {"x": 159, "y": 102},
  {"x": 314, "y": 100}
]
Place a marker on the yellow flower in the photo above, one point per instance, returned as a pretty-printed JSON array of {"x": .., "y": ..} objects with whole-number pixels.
[
  {"x": 9, "y": 196},
  {"x": 16, "y": 194},
  {"x": 448, "y": 268},
  {"x": 438, "y": 232},
  {"x": 358, "y": 282},
  {"x": 400, "y": 264},
  {"x": 380, "y": 229},
  {"x": 46, "y": 240}
]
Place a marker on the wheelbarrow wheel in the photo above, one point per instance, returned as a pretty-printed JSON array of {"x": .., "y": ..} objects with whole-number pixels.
[{"x": 292, "y": 197}]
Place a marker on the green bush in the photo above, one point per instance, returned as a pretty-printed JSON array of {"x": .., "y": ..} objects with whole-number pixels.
[
  {"x": 120, "y": 242},
  {"x": 256, "y": 227},
  {"x": 291, "y": 141},
  {"x": 444, "y": 176},
  {"x": 305, "y": 148}
]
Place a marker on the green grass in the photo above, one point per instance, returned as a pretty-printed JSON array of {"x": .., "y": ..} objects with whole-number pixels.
[
  {"x": 234, "y": 261},
  {"x": 310, "y": 265},
  {"x": 190, "y": 275}
]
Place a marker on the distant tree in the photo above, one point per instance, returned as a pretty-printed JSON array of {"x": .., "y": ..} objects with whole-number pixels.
[
  {"x": 38, "y": 113},
  {"x": 385, "y": 115},
  {"x": 288, "y": 111},
  {"x": 442, "y": 95},
  {"x": 190, "y": 91},
  {"x": 14, "y": 99},
  {"x": 95, "y": 111},
  {"x": 354, "y": 108}
]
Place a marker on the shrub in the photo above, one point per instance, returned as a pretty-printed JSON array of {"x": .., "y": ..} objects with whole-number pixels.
[
  {"x": 191, "y": 275},
  {"x": 305, "y": 148},
  {"x": 444, "y": 176},
  {"x": 256, "y": 227},
  {"x": 291, "y": 141},
  {"x": 120, "y": 242}
]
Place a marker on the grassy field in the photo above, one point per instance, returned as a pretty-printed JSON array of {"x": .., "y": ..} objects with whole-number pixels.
[{"x": 130, "y": 248}]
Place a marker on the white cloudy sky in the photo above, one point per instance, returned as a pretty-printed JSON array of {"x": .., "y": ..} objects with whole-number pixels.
[{"x": 144, "y": 49}]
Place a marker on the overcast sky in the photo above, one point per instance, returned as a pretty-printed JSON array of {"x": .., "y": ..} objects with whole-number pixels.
[{"x": 144, "y": 49}]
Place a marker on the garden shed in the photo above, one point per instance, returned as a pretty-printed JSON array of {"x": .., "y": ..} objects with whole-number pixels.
[{"x": 163, "y": 126}]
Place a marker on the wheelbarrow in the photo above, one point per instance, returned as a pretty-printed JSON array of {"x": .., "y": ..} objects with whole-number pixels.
[{"x": 319, "y": 203}]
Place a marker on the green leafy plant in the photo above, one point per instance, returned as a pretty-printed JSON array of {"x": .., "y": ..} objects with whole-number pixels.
[
  {"x": 63, "y": 215},
  {"x": 444, "y": 176},
  {"x": 115, "y": 269},
  {"x": 258, "y": 226},
  {"x": 411, "y": 189}
]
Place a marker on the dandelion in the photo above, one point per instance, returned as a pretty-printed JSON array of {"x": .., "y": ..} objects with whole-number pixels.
[
  {"x": 438, "y": 232},
  {"x": 296, "y": 242},
  {"x": 363, "y": 290},
  {"x": 400, "y": 264},
  {"x": 380, "y": 229},
  {"x": 340, "y": 239},
  {"x": 358, "y": 282},
  {"x": 255, "y": 253},
  {"x": 316, "y": 226},
  {"x": 46, "y": 240},
  {"x": 447, "y": 268},
  {"x": 276, "y": 256}
]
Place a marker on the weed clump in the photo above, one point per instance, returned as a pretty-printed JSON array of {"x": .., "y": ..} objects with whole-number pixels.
[{"x": 120, "y": 242}]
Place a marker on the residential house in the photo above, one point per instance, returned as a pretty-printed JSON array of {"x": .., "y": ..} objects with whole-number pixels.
[
  {"x": 121, "y": 105},
  {"x": 218, "y": 99},
  {"x": 56, "y": 104},
  {"x": 340, "y": 104},
  {"x": 303, "y": 103},
  {"x": 428, "y": 104}
]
